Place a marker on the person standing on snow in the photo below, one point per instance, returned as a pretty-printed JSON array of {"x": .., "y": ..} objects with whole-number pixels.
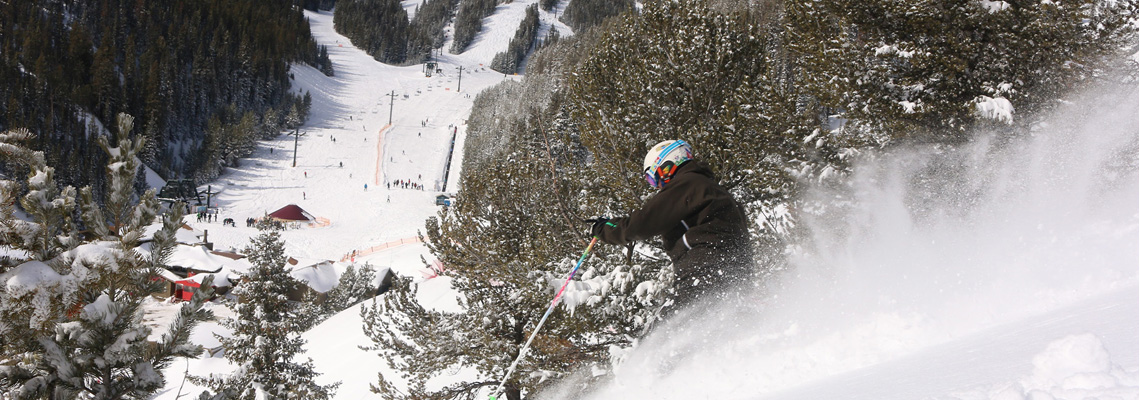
[{"x": 703, "y": 229}]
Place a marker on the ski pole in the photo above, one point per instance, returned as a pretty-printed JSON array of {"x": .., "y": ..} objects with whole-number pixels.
[{"x": 542, "y": 321}]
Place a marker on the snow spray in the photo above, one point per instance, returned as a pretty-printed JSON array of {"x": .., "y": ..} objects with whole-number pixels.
[
  {"x": 920, "y": 248},
  {"x": 557, "y": 297}
]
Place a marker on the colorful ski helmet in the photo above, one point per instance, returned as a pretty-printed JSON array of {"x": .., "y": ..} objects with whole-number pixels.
[{"x": 663, "y": 160}]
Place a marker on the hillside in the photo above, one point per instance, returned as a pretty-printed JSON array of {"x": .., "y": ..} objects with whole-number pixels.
[
  {"x": 940, "y": 207},
  {"x": 353, "y": 107}
]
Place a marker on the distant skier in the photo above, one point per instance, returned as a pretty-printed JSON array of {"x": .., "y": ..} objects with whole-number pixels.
[{"x": 704, "y": 229}]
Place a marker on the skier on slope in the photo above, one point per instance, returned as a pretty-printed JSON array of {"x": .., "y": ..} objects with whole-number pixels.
[{"x": 704, "y": 229}]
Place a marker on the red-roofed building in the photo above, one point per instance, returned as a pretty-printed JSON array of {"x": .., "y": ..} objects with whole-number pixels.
[{"x": 291, "y": 213}]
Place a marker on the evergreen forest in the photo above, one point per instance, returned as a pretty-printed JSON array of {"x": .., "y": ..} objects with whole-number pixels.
[
  {"x": 382, "y": 28},
  {"x": 205, "y": 78}
]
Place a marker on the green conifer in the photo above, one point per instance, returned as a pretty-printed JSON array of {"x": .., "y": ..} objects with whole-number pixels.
[{"x": 266, "y": 332}]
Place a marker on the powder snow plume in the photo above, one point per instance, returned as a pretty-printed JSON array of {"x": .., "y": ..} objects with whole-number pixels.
[{"x": 931, "y": 253}]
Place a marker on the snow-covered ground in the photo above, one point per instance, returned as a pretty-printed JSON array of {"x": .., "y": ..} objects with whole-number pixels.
[{"x": 1031, "y": 294}]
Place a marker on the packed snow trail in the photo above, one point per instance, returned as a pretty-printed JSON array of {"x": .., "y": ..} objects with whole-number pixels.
[
  {"x": 344, "y": 147},
  {"x": 990, "y": 271}
]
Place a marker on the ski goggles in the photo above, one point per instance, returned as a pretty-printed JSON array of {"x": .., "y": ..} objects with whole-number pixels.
[
  {"x": 659, "y": 177},
  {"x": 652, "y": 177}
]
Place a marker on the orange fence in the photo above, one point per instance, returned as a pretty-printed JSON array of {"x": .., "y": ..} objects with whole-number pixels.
[{"x": 374, "y": 249}]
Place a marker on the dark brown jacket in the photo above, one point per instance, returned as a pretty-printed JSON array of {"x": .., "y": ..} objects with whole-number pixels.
[{"x": 704, "y": 230}]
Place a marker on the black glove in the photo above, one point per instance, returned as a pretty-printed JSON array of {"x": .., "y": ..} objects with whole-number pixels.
[{"x": 599, "y": 224}]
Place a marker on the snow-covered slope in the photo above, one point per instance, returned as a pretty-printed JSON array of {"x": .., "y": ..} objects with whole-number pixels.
[
  {"x": 1020, "y": 280},
  {"x": 354, "y": 107}
]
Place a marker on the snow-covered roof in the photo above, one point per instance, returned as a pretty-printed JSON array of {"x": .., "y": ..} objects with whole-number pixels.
[
  {"x": 233, "y": 266},
  {"x": 184, "y": 234},
  {"x": 219, "y": 279},
  {"x": 166, "y": 274},
  {"x": 321, "y": 275},
  {"x": 196, "y": 258}
]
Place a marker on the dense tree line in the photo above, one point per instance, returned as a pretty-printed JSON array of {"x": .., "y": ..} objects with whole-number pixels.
[
  {"x": 379, "y": 27},
  {"x": 323, "y": 62},
  {"x": 508, "y": 61},
  {"x": 319, "y": 5},
  {"x": 773, "y": 95},
  {"x": 469, "y": 22},
  {"x": 583, "y": 14},
  {"x": 382, "y": 28},
  {"x": 427, "y": 31},
  {"x": 174, "y": 64}
]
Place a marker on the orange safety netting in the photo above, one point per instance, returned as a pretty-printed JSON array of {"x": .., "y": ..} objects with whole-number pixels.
[{"x": 364, "y": 252}]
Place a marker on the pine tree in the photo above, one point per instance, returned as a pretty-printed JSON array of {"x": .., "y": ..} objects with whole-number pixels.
[
  {"x": 86, "y": 336},
  {"x": 267, "y": 332},
  {"x": 717, "y": 79},
  {"x": 918, "y": 71},
  {"x": 355, "y": 285}
]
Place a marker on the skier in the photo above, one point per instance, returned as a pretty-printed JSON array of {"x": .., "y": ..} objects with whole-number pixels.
[{"x": 704, "y": 230}]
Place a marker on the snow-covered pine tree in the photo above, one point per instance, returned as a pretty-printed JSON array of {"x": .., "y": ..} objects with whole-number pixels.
[
  {"x": 356, "y": 284},
  {"x": 47, "y": 228},
  {"x": 41, "y": 230},
  {"x": 932, "y": 71},
  {"x": 266, "y": 333},
  {"x": 87, "y": 337},
  {"x": 717, "y": 79}
]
